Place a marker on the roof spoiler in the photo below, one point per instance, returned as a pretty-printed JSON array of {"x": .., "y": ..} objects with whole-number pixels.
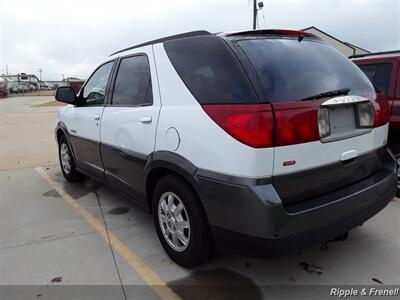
[{"x": 273, "y": 31}]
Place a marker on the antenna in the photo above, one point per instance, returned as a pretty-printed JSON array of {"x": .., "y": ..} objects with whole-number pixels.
[
  {"x": 254, "y": 14},
  {"x": 256, "y": 4}
]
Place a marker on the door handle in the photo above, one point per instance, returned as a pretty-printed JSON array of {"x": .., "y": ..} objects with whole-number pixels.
[
  {"x": 145, "y": 119},
  {"x": 96, "y": 117}
]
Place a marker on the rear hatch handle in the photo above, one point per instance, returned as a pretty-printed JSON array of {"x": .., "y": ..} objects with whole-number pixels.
[{"x": 348, "y": 155}]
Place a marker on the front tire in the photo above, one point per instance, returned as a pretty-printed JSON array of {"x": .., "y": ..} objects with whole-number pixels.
[
  {"x": 180, "y": 222},
  {"x": 67, "y": 162}
]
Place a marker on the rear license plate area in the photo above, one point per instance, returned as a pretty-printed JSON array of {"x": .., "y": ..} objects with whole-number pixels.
[
  {"x": 343, "y": 123},
  {"x": 341, "y": 119}
]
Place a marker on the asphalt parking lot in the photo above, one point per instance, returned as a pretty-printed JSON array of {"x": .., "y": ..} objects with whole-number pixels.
[{"x": 55, "y": 233}]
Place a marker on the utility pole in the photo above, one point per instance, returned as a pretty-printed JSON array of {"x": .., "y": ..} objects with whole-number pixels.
[
  {"x": 6, "y": 69},
  {"x": 254, "y": 14},
  {"x": 40, "y": 73}
]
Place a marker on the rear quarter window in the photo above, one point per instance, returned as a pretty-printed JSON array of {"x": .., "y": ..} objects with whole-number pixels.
[{"x": 209, "y": 70}]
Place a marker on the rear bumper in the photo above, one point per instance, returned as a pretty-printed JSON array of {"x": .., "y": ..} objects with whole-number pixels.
[{"x": 252, "y": 217}]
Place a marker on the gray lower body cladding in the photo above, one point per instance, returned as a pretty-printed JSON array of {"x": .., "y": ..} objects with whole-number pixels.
[{"x": 254, "y": 215}]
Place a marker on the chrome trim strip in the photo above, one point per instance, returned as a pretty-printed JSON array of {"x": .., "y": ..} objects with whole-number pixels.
[{"x": 348, "y": 99}]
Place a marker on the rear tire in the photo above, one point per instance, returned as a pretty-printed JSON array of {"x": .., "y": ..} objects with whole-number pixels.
[
  {"x": 67, "y": 162},
  {"x": 177, "y": 211},
  {"x": 394, "y": 145}
]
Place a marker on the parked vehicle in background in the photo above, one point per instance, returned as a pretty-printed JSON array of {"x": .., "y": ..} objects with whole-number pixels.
[
  {"x": 8, "y": 83},
  {"x": 24, "y": 83},
  {"x": 45, "y": 87},
  {"x": 265, "y": 141},
  {"x": 76, "y": 84},
  {"x": 3, "y": 88},
  {"x": 383, "y": 69}
]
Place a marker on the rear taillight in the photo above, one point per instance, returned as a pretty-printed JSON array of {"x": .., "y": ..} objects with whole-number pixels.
[
  {"x": 296, "y": 122},
  {"x": 251, "y": 124},
  {"x": 381, "y": 106},
  {"x": 323, "y": 122},
  {"x": 365, "y": 115}
]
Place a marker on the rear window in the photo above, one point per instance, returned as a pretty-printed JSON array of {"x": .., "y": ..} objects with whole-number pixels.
[
  {"x": 291, "y": 70},
  {"x": 209, "y": 70},
  {"x": 379, "y": 74}
]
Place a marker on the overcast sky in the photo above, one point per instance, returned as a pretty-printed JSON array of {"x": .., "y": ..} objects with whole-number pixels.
[{"x": 72, "y": 37}]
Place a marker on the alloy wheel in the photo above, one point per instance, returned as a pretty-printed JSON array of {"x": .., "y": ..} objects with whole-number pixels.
[
  {"x": 65, "y": 158},
  {"x": 174, "y": 221}
]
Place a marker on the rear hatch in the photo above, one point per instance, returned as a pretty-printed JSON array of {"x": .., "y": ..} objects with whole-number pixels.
[{"x": 329, "y": 121}]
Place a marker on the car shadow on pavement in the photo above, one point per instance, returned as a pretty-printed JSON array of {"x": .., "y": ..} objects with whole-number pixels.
[{"x": 217, "y": 283}]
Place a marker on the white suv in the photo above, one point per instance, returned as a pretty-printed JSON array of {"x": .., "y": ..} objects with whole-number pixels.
[{"x": 264, "y": 141}]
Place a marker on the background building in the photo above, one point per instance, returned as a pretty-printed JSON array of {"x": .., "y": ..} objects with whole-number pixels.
[{"x": 346, "y": 48}]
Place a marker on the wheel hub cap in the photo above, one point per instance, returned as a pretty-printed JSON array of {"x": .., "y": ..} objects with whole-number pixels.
[
  {"x": 174, "y": 221},
  {"x": 65, "y": 158}
]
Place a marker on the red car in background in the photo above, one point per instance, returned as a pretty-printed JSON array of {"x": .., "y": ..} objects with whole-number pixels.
[
  {"x": 383, "y": 69},
  {"x": 3, "y": 88},
  {"x": 76, "y": 85}
]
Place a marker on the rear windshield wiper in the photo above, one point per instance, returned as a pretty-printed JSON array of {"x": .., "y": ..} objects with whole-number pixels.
[{"x": 337, "y": 92}]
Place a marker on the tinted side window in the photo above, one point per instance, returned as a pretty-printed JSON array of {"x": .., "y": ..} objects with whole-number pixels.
[
  {"x": 133, "y": 82},
  {"x": 369, "y": 70},
  {"x": 95, "y": 89},
  {"x": 209, "y": 70},
  {"x": 379, "y": 74},
  {"x": 382, "y": 77}
]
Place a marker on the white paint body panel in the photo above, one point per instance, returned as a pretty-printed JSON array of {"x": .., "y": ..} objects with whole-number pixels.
[
  {"x": 133, "y": 128},
  {"x": 80, "y": 121},
  {"x": 317, "y": 154},
  {"x": 202, "y": 141}
]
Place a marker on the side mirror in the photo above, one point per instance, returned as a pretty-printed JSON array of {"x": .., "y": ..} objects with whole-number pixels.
[{"x": 66, "y": 94}]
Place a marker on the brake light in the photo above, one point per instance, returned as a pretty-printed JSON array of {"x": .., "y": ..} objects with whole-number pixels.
[
  {"x": 381, "y": 110},
  {"x": 251, "y": 124},
  {"x": 290, "y": 32},
  {"x": 296, "y": 122}
]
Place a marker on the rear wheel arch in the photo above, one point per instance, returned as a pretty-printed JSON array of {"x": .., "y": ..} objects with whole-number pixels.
[
  {"x": 164, "y": 163},
  {"x": 153, "y": 177},
  {"x": 156, "y": 174}
]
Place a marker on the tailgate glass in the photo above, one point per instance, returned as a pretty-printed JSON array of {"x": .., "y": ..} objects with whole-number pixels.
[{"x": 289, "y": 70}]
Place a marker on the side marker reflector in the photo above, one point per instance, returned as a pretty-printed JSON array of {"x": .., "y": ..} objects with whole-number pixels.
[{"x": 289, "y": 163}]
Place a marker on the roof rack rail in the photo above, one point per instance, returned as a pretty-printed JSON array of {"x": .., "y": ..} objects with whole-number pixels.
[
  {"x": 374, "y": 53},
  {"x": 171, "y": 37}
]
